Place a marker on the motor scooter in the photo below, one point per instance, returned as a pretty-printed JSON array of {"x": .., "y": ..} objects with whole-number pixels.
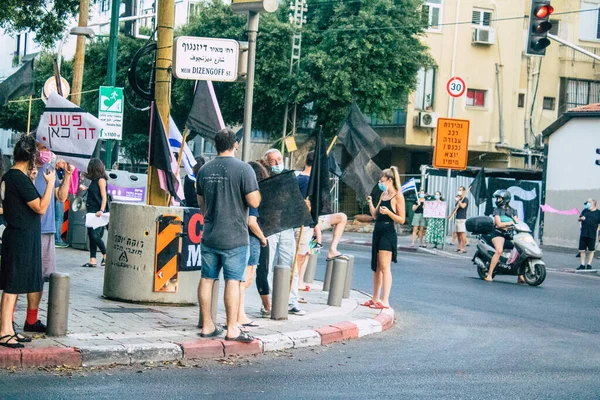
[{"x": 521, "y": 256}]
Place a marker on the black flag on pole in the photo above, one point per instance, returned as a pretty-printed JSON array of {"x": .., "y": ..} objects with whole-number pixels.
[
  {"x": 205, "y": 116},
  {"x": 282, "y": 206},
  {"x": 18, "y": 84},
  {"x": 318, "y": 184},
  {"x": 478, "y": 188}
]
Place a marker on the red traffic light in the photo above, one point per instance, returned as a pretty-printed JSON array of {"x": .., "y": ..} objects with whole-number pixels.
[{"x": 544, "y": 11}]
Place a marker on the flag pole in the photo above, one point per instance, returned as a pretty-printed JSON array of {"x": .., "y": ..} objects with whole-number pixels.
[
  {"x": 332, "y": 144},
  {"x": 179, "y": 158},
  {"x": 29, "y": 115}
]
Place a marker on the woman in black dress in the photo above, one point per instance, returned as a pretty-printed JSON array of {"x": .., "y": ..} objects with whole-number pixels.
[
  {"x": 389, "y": 211},
  {"x": 96, "y": 204},
  {"x": 21, "y": 266}
]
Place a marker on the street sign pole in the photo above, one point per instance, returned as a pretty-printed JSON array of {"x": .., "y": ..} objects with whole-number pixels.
[
  {"x": 252, "y": 31},
  {"x": 449, "y": 187}
]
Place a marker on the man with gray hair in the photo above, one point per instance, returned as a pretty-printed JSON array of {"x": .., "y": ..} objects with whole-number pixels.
[
  {"x": 282, "y": 245},
  {"x": 590, "y": 221}
]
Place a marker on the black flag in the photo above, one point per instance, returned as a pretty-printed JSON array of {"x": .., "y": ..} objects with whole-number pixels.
[
  {"x": 161, "y": 157},
  {"x": 358, "y": 136},
  {"x": 205, "y": 116},
  {"x": 478, "y": 188},
  {"x": 18, "y": 84},
  {"x": 318, "y": 184},
  {"x": 362, "y": 174},
  {"x": 282, "y": 206}
]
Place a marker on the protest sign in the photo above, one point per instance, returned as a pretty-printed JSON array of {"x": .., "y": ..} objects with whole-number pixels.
[{"x": 435, "y": 209}]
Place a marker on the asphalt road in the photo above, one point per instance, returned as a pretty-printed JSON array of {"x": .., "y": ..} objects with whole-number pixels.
[{"x": 456, "y": 337}]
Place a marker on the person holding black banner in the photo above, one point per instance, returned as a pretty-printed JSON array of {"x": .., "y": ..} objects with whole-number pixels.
[
  {"x": 226, "y": 187},
  {"x": 460, "y": 211},
  {"x": 282, "y": 245},
  {"x": 388, "y": 212}
]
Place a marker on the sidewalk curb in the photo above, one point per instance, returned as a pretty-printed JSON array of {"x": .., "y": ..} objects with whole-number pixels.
[{"x": 202, "y": 348}]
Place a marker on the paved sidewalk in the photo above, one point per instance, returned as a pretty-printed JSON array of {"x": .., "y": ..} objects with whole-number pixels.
[
  {"x": 103, "y": 332},
  {"x": 556, "y": 259}
]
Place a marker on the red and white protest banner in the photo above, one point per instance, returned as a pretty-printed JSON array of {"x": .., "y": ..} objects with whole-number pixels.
[{"x": 68, "y": 131}]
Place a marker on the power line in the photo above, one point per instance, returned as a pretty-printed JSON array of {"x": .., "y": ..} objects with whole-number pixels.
[{"x": 442, "y": 24}]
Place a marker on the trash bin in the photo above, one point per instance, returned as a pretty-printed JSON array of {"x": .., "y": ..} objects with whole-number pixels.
[{"x": 127, "y": 187}]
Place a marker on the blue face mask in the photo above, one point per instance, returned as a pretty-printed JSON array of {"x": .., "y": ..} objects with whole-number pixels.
[
  {"x": 587, "y": 205},
  {"x": 382, "y": 187},
  {"x": 421, "y": 196},
  {"x": 437, "y": 196},
  {"x": 277, "y": 168}
]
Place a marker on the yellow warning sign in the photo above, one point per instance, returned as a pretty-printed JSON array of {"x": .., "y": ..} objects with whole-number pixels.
[
  {"x": 168, "y": 248},
  {"x": 451, "y": 144}
]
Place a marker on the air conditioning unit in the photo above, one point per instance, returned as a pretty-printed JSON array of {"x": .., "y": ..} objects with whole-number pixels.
[
  {"x": 427, "y": 119},
  {"x": 484, "y": 36}
]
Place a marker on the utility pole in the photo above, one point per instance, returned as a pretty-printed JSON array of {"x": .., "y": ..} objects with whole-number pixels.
[
  {"x": 111, "y": 71},
  {"x": 253, "y": 17},
  {"x": 84, "y": 8},
  {"x": 162, "y": 85},
  {"x": 297, "y": 19}
]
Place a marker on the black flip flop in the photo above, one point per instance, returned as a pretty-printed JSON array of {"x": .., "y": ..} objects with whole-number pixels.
[
  {"x": 243, "y": 337},
  {"x": 217, "y": 332},
  {"x": 250, "y": 324},
  {"x": 339, "y": 256},
  {"x": 22, "y": 338},
  {"x": 103, "y": 263},
  {"x": 88, "y": 265},
  {"x": 11, "y": 345}
]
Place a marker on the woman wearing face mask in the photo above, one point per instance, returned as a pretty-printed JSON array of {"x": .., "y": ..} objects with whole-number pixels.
[
  {"x": 435, "y": 227},
  {"x": 504, "y": 218},
  {"x": 418, "y": 221},
  {"x": 389, "y": 211}
]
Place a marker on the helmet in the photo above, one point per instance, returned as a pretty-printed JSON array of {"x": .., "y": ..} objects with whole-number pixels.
[{"x": 504, "y": 195}]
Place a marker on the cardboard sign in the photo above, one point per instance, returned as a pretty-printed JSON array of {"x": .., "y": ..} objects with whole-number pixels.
[
  {"x": 451, "y": 144},
  {"x": 435, "y": 209}
]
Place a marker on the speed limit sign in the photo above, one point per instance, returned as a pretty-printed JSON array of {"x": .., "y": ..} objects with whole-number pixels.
[{"x": 456, "y": 87}]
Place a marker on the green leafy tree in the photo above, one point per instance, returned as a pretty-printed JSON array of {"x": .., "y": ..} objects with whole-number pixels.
[
  {"x": 367, "y": 51},
  {"x": 46, "y": 19}
]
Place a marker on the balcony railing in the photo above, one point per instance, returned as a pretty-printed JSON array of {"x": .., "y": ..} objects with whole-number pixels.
[
  {"x": 568, "y": 54},
  {"x": 397, "y": 118}
]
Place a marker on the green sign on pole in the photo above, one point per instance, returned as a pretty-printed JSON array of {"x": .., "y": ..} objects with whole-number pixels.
[{"x": 110, "y": 111}]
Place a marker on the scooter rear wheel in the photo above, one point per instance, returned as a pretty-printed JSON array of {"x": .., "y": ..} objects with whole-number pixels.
[{"x": 481, "y": 271}]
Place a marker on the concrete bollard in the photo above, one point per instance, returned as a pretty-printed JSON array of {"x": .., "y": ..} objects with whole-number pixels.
[
  {"x": 338, "y": 279},
  {"x": 311, "y": 268},
  {"x": 58, "y": 304},
  {"x": 348, "y": 282},
  {"x": 281, "y": 292},
  {"x": 327, "y": 279},
  {"x": 214, "y": 304}
]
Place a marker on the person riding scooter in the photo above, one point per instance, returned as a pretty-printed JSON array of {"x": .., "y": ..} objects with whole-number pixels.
[{"x": 504, "y": 218}]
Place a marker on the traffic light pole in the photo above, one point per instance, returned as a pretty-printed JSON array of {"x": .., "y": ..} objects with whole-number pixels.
[
  {"x": 574, "y": 47},
  {"x": 111, "y": 70}
]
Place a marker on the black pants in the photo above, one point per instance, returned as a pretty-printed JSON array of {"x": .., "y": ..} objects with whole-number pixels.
[
  {"x": 262, "y": 272},
  {"x": 95, "y": 236}
]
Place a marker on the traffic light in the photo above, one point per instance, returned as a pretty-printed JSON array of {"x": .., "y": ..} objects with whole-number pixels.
[{"x": 539, "y": 25}]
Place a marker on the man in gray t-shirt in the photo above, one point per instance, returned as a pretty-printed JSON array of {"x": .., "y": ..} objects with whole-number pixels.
[{"x": 226, "y": 187}]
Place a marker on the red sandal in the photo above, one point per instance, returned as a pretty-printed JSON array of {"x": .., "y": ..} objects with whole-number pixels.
[
  {"x": 379, "y": 306},
  {"x": 368, "y": 303}
]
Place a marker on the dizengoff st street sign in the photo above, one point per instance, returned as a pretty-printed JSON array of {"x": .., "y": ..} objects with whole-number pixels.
[{"x": 206, "y": 59}]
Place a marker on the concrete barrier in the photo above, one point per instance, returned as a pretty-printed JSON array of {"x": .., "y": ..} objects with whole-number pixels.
[
  {"x": 311, "y": 268},
  {"x": 281, "y": 292},
  {"x": 129, "y": 273},
  {"x": 58, "y": 304},
  {"x": 338, "y": 279},
  {"x": 327, "y": 279},
  {"x": 349, "y": 272}
]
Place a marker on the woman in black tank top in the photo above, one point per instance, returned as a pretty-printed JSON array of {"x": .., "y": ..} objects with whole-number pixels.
[{"x": 388, "y": 212}]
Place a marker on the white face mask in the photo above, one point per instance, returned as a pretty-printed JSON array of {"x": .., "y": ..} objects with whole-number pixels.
[{"x": 460, "y": 192}]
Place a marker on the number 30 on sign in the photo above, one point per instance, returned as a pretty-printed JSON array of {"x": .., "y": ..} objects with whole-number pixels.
[{"x": 456, "y": 87}]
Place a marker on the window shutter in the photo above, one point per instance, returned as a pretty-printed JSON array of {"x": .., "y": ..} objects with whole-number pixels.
[
  {"x": 476, "y": 17},
  {"x": 487, "y": 17}
]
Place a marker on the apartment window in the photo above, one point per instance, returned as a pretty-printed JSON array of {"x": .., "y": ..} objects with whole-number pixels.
[
  {"x": 548, "y": 103},
  {"x": 432, "y": 14},
  {"x": 476, "y": 97},
  {"x": 589, "y": 21},
  {"x": 481, "y": 17},
  {"x": 193, "y": 10},
  {"x": 580, "y": 93},
  {"x": 425, "y": 89},
  {"x": 105, "y": 5},
  {"x": 521, "y": 100}
]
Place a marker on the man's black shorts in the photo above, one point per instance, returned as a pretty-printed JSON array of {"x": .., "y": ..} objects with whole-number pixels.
[{"x": 587, "y": 243}]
